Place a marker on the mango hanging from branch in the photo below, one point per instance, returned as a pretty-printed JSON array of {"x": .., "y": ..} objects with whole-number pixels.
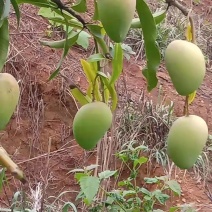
[
  {"x": 116, "y": 17},
  {"x": 186, "y": 140},
  {"x": 91, "y": 123},
  {"x": 9, "y": 97},
  {"x": 186, "y": 66}
]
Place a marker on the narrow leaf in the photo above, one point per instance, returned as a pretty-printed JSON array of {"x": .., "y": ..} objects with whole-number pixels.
[
  {"x": 4, "y": 44},
  {"x": 96, "y": 13},
  {"x": 17, "y": 11},
  {"x": 68, "y": 205},
  {"x": 151, "y": 49},
  {"x": 6, "y": 9},
  {"x": 39, "y": 3},
  {"x": 80, "y": 97},
  {"x": 117, "y": 63},
  {"x": 96, "y": 57},
  {"x": 158, "y": 18},
  {"x": 67, "y": 46},
  {"x": 90, "y": 186},
  {"x": 112, "y": 92},
  {"x": 188, "y": 33},
  {"x": 91, "y": 73},
  {"x": 191, "y": 97},
  {"x": 90, "y": 167}
]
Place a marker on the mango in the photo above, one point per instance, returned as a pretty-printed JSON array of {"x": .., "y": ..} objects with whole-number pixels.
[
  {"x": 186, "y": 66},
  {"x": 91, "y": 123},
  {"x": 9, "y": 97},
  {"x": 186, "y": 140},
  {"x": 116, "y": 17}
]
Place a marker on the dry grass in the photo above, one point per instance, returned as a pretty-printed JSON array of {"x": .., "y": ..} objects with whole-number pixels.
[{"x": 137, "y": 121}]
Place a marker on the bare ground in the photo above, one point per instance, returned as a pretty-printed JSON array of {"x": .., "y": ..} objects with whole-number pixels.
[{"x": 39, "y": 137}]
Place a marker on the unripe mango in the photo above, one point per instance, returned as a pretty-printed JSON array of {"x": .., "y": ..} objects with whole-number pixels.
[
  {"x": 186, "y": 66},
  {"x": 186, "y": 140},
  {"x": 91, "y": 123},
  {"x": 9, "y": 97},
  {"x": 116, "y": 17}
]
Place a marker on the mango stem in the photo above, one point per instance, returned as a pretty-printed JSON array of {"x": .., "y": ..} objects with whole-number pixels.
[{"x": 186, "y": 107}]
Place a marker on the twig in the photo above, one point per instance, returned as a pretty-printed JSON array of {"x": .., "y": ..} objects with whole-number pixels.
[
  {"x": 178, "y": 5},
  {"x": 63, "y": 7}
]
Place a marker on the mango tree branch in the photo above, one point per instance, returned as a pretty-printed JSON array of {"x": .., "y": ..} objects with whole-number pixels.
[
  {"x": 61, "y": 6},
  {"x": 186, "y": 13},
  {"x": 178, "y": 5}
]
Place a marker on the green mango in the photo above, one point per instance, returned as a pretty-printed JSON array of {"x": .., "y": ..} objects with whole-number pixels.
[
  {"x": 9, "y": 97},
  {"x": 91, "y": 123},
  {"x": 186, "y": 66},
  {"x": 186, "y": 140},
  {"x": 116, "y": 17}
]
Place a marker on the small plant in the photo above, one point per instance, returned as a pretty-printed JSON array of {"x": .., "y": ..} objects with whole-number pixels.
[{"x": 128, "y": 194}]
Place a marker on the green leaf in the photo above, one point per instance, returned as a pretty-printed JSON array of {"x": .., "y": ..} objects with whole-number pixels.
[
  {"x": 112, "y": 91},
  {"x": 162, "y": 198},
  {"x": 78, "y": 176},
  {"x": 96, "y": 57},
  {"x": 80, "y": 6},
  {"x": 70, "y": 42},
  {"x": 38, "y": 3},
  {"x": 68, "y": 205},
  {"x": 173, "y": 209},
  {"x": 1, "y": 8},
  {"x": 5, "y": 12},
  {"x": 151, "y": 49},
  {"x": 96, "y": 30},
  {"x": 117, "y": 63},
  {"x": 2, "y": 177},
  {"x": 17, "y": 11},
  {"x": 4, "y": 44},
  {"x": 106, "y": 174},
  {"x": 90, "y": 186},
  {"x": 91, "y": 73},
  {"x": 158, "y": 18},
  {"x": 150, "y": 180},
  {"x": 145, "y": 191},
  {"x": 83, "y": 39},
  {"x": 129, "y": 192},
  {"x": 96, "y": 13},
  {"x": 139, "y": 161},
  {"x": 174, "y": 186},
  {"x": 79, "y": 96}
]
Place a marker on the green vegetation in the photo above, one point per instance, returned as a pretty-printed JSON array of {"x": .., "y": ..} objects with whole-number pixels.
[{"x": 149, "y": 136}]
